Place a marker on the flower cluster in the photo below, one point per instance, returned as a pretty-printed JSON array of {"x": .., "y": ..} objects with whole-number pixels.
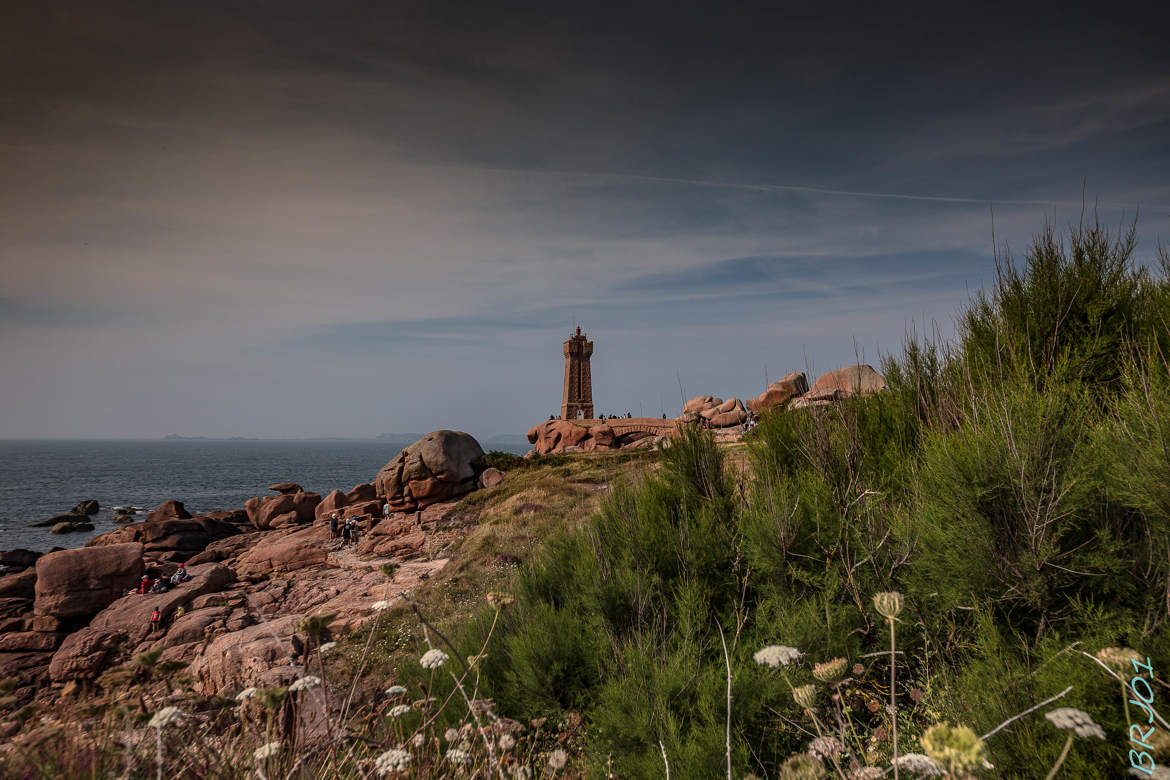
[
  {"x": 776, "y": 656},
  {"x": 433, "y": 658}
]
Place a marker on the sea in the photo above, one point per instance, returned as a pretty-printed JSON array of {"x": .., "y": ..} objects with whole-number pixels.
[{"x": 42, "y": 479}]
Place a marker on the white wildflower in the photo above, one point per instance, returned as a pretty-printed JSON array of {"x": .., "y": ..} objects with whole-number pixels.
[
  {"x": 522, "y": 772},
  {"x": 557, "y": 759},
  {"x": 918, "y": 764},
  {"x": 433, "y": 658},
  {"x": 392, "y": 760},
  {"x": 396, "y": 690},
  {"x": 304, "y": 683},
  {"x": 867, "y": 773},
  {"x": 266, "y": 751},
  {"x": 167, "y": 716},
  {"x": 398, "y": 710},
  {"x": 1076, "y": 721},
  {"x": 451, "y": 735},
  {"x": 247, "y": 693},
  {"x": 418, "y": 740},
  {"x": 776, "y": 656},
  {"x": 507, "y": 742},
  {"x": 457, "y": 756},
  {"x": 378, "y": 606},
  {"x": 325, "y": 648}
]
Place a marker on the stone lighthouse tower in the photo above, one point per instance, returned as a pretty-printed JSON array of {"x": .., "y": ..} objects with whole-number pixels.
[{"x": 577, "y": 401}]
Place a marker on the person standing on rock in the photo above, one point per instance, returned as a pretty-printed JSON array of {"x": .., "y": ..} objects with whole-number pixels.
[
  {"x": 345, "y": 532},
  {"x": 353, "y": 530},
  {"x": 334, "y": 530},
  {"x": 386, "y": 509},
  {"x": 155, "y": 619}
]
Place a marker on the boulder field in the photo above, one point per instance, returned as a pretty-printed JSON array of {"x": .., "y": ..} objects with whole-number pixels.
[{"x": 255, "y": 572}]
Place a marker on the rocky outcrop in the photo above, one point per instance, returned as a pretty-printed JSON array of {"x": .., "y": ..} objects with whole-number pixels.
[
  {"x": 284, "y": 553},
  {"x": 779, "y": 393},
  {"x": 180, "y": 537},
  {"x": 82, "y": 582},
  {"x": 168, "y": 510},
  {"x": 268, "y": 512},
  {"x": 290, "y": 488},
  {"x": 19, "y": 558},
  {"x": 616, "y": 433},
  {"x": 89, "y": 507},
  {"x": 435, "y": 468},
  {"x": 126, "y": 622},
  {"x": 858, "y": 379},
  {"x": 337, "y": 501},
  {"x": 715, "y": 412}
]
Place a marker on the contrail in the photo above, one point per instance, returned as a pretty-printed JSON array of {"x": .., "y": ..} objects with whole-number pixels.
[{"x": 765, "y": 187}]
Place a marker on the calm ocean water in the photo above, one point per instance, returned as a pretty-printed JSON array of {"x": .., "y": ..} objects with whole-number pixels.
[{"x": 40, "y": 479}]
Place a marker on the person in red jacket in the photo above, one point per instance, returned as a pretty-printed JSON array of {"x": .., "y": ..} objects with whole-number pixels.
[{"x": 145, "y": 585}]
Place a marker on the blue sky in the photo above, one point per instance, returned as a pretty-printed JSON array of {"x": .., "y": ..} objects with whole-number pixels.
[{"x": 337, "y": 219}]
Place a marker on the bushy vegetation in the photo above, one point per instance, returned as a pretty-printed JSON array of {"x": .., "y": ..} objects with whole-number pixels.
[{"x": 1013, "y": 486}]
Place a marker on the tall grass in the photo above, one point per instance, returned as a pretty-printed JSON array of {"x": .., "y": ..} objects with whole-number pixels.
[{"x": 1012, "y": 485}]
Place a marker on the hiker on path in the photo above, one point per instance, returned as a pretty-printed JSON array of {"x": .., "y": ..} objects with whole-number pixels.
[
  {"x": 155, "y": 619},
  {"x": 334, "y": 530},
  {"x": 345, "y": 532},
  {"x": 353, "y": 531},
  {"x": 386, "y": 509}
]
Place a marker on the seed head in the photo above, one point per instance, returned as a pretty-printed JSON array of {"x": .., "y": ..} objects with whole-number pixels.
[
  {"x": 1076, "y": 721},
  {"x": 1118, "y": 659},
  {"x": 888, "y": 604},
  {"x": 956, "y": 748},
  {"x": 396, "y": 690},
  {"x": 918, "y": 764},
  {"x": 266, "y": 751},
  {"x": 557, "y": 759},
  {"x": 826, "y": 747},
  {"x": 500, "y": 599},
  {"x": 805, "y": 695},
  {"x": 398, "y": 710},
  {"x": 830, "y": 671}
]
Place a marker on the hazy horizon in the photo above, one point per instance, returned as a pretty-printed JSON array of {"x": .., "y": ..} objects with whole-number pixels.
[{"x": 302, "y": 220}]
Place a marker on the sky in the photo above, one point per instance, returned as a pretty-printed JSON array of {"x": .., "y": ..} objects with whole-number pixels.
[{"x": 302, "y": 219}]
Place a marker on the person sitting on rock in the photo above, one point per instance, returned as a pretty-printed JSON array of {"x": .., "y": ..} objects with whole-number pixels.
[
  {"x": 159, "y": 586},
  {"x": 155, "y": 619},
  {"x": 144, "y": 585},
  {"x": 180, "y": 576}
]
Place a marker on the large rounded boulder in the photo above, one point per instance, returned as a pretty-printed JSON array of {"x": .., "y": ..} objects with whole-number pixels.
[
  {"x": 84, "y": 581},
  {"x": 435, "y": 468},
  {"x": 858, "y": 379}
]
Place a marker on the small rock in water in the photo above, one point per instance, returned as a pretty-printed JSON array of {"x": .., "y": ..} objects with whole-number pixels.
[
  {"x": 123, "y": 517},
  {"x": 89, "y": 507},
  {"x": 70, "y": 527},
  {"x": 127, "y": 510}
]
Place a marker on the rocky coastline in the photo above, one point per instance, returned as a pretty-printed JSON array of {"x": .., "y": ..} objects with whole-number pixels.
[{"x": 68, "y": 617}]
